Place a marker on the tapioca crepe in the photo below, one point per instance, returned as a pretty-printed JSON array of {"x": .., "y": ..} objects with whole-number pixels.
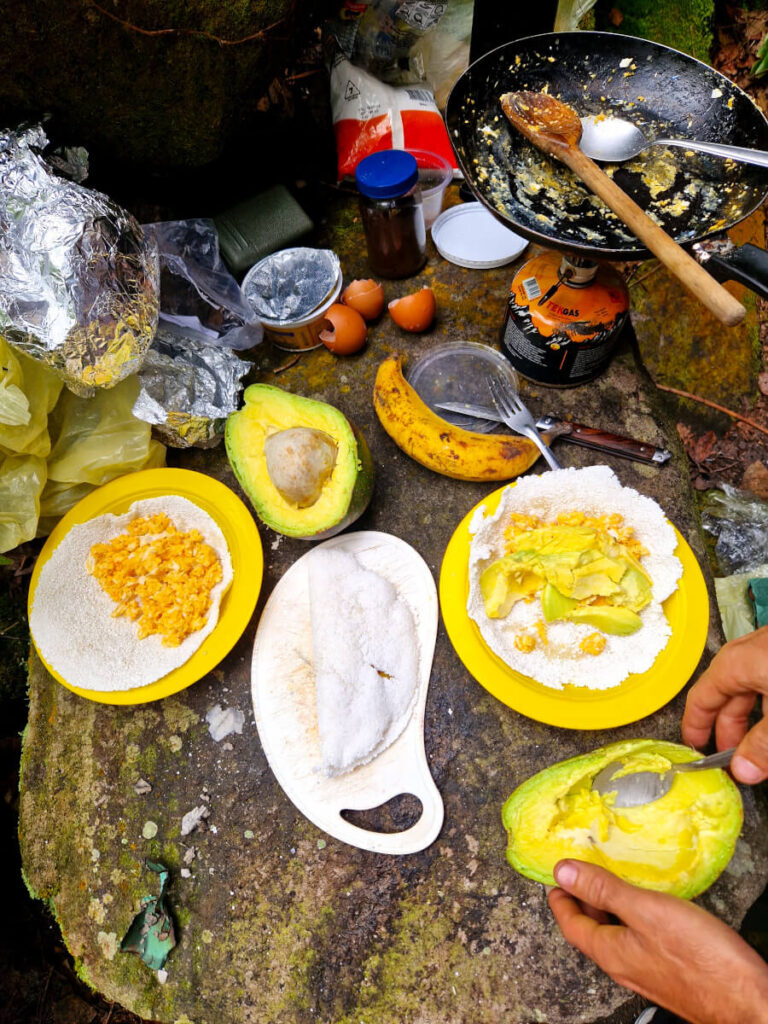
[
  {"x": 365, "y": 660},
  {"x": 73, "y": 620},
  {"x": 561, "y": 652}
]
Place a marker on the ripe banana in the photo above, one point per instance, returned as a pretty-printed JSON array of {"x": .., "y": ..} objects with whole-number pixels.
[{"x": 437, "y": 444}]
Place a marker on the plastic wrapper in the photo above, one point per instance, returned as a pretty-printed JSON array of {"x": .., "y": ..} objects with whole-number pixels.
[
  {"x": 188, "y": 388},
  {"x": 78, "y": 277},
  {"x": 380, "y": 35},
  {"x": 152, "y": 935},
  {"x": 739, "y": 521},
  {"x": 197, "y": 292},
  {"x": 736, "y": 612},
  {"x": 28, "y": 392},
  {"x": 97, "y": 439},
  {"x": 68, "y": 446},
  {"x": 22, "y": 478},
  {"x": 369, "y": 116}
]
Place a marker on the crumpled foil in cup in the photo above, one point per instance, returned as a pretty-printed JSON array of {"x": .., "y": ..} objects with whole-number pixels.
[
  {"x": 290, "y": 284},
  {"x": 188, "y": 389},
  {"x": 79, "y": 279}
]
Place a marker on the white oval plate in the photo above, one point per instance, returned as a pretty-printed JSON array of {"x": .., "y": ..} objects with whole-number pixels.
[{"x": 283, "y": 690}]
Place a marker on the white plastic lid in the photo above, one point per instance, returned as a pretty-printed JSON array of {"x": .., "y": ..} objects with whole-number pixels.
[{"x": 469, "y": 236}]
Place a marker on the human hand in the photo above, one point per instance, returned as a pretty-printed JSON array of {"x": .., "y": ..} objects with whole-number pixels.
[
  {"x": 670, "y": 951},
  {"x": 724, "y": 696}
]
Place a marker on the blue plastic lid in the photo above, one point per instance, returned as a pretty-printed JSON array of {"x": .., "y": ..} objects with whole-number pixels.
[{"x": 387, "y": 174}]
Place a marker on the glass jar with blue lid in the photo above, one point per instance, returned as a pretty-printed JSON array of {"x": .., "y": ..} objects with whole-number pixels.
[{"x": 391, "y": 212}]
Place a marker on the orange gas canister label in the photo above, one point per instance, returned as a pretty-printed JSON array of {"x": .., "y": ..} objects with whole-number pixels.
[{"x": 563, "y": 320}]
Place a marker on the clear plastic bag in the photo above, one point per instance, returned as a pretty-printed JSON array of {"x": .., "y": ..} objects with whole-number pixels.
[
  {"x": 198, "y": 295},
  {"x": 739, "y": 521}
]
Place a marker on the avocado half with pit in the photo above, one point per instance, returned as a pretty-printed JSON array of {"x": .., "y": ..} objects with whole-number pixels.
[
  {"x": 306, "y": 469},
  {"x": 678, "y": 844}
]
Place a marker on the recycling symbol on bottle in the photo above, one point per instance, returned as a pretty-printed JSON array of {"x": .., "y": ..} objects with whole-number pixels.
[{"x": 351, "y": 92}]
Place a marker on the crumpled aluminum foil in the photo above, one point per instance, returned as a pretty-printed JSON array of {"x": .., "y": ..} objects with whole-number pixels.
[
  {"x": 79, "y": 279},
  {"x": 290, "y": 284},
  {"x": 188, "y": 389}
]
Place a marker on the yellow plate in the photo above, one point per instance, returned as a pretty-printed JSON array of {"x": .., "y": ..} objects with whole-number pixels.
[
  {"x": 576, "y": 707},
  {"x": 238, "y": 603}
]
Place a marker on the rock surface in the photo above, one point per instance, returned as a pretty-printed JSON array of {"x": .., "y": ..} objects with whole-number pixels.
[{"x": 278, "y": 922}]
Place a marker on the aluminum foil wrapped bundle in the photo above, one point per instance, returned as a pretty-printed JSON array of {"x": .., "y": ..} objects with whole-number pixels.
[
  {"x": 79, "y": 279},
  {"x": 188, "y": 388}
]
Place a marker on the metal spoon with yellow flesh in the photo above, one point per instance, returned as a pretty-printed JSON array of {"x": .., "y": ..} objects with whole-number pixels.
[
  {"x": 645, "y": 787},
  {"x": 555, "y": 128}
]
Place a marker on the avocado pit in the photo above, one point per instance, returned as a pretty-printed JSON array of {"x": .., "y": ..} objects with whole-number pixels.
[{"x": 300, "y": 461}]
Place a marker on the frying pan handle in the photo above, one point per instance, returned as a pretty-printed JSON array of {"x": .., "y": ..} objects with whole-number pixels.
[
  {"x": 747, "y": 264},
  {"x": 713, "y": 295}
]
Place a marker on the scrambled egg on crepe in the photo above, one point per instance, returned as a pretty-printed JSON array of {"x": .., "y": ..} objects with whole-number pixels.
[{"x": 124, "y": 600}]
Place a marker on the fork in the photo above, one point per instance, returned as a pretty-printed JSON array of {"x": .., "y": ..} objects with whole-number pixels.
[{"x": 518, "y": 418}]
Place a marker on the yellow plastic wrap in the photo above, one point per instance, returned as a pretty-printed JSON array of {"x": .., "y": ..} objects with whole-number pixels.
[
  {"x": 59, "y": 496},
  {"x": 97, "y": 439},
  {"x": 28, "y": 392},
  {"x": 21, "y": 482},
  {"x": 87, "y": 441}
]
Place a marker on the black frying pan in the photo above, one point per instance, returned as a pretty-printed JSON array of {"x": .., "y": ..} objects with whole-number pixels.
[{"x": 665, "y": 92}]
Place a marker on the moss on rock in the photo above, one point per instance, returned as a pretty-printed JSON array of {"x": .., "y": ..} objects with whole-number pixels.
[{"x": 685, "y": 25}]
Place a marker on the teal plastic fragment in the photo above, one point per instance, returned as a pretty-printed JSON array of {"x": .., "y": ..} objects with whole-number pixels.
[
  {"x": 757, "y": 591},
  {"x": 151, "y": 935}
]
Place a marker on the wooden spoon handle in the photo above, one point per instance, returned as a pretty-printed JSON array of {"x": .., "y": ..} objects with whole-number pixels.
[{"x": 715, "y": 297}]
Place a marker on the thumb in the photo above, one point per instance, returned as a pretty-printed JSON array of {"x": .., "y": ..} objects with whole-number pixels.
[
  {"x": 750, "y": 762},
  {"x": 597, "y": 887}
]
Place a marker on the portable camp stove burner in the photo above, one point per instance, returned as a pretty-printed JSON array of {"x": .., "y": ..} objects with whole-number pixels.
[{"x": 563, "y": 318}]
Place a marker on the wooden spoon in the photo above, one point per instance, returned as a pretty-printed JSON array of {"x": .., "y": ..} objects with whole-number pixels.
[{"x": 555, "y": 128}]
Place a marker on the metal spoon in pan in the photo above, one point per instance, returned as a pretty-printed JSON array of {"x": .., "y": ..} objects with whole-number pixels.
[
  {"x": 613, "y": 140},
  {"x": 555, "y": 128}
]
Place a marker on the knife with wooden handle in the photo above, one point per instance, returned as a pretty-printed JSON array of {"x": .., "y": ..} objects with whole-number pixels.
[
  {"x": 603, "y": 441},
  {"x": 576, "y": 433}
]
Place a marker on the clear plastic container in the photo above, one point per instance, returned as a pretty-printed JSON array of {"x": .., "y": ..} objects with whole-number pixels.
[
  {"x": 435, "y": 175},
  {"x": 392, "y": 213}
]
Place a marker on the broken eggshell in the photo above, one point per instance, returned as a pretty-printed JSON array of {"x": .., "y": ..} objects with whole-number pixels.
[
  {"x": 365, "y": 296},
  {"x": 414, "y": 312},
  {"x": 347, "y": 331}
]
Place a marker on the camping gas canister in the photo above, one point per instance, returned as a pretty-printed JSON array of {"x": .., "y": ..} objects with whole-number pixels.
[{"x": 563, "y": 319}]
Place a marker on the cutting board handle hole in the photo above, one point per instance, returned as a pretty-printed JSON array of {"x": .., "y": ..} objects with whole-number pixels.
[{"x": 396, "y": 815}]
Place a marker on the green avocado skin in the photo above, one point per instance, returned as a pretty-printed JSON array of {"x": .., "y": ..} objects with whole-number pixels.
[
  {"x": 587, "y": 766},
  {"x": 359, "y": 496},
  {"x": 361, "y": 492}
]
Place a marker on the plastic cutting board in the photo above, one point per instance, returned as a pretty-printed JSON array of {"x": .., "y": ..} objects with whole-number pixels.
[{"x": 284, "y": 704}]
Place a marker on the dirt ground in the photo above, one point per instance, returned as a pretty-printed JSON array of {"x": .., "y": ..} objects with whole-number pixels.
[{"x": 38, "y": 984}]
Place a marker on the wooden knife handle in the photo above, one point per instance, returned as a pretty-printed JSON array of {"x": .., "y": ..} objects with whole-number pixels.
[
  {"x": 711, "y": 293},
  {"x": 602, "y": 440}
]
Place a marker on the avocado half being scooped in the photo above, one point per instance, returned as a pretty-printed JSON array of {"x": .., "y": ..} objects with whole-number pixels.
[
  {"x": 304, "y": 466},
  {"x": 678, "y": 844}
]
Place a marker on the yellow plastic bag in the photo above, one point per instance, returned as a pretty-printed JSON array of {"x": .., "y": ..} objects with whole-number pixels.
[
  {"x": 97, "y": 439},
  {"x": 21, "y": 482},
  {"x": 59, "y": 496},
  {"x": 28, "y": 392}
]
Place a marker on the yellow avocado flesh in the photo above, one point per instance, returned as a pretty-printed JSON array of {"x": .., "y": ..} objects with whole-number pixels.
[
  {"x": 581, "y": 564},
  {"x": 269, "y": 411},
  {"x": 678, "y": 844}
]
